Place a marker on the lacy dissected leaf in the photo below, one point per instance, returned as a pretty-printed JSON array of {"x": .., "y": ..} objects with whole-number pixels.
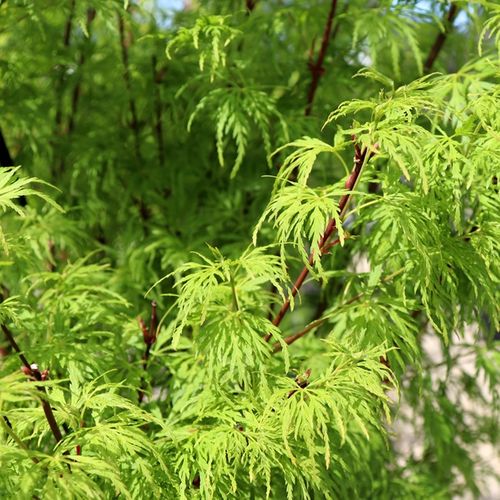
[
  {"x": 237, "y": 111},
  {"x": 210, "y": 36},
  {"x": 300, "y": 215},
  {"x": 308, "y": 409},
  {"x": 203, "y": 286}
]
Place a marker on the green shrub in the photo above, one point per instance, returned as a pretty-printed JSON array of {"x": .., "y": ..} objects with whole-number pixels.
[{"x": 235, "y": 230}]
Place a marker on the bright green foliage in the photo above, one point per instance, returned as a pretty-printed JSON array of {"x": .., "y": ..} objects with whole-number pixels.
[
  {"x": 300, "y": 215},
  {"x": 199, "y": 158}
]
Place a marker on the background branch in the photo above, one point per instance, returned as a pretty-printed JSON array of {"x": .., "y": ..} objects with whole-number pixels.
[
  {"x": 158, "y": 111},
  {"x": 441, "y": 38},
  {"x": 250, "y": 4},
  {"x": 134, "y": 122},
  {"x": 316, "y": 68}
]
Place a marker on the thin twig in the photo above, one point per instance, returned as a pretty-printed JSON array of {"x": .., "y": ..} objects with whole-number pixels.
[
  {"x": 441, "y": 38},
  {"x": 317, "y": 68},
  {"x": 360, "y": 159},
  {"x": 13, "y": 343},
  {"x": 75, "y": 96},
  {"x": 10, "y": 431},
  {"x": 277, "y": 347},
  {"x": 79, "y": 446}
]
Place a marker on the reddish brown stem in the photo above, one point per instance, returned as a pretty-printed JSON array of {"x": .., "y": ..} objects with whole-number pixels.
[
  {"x": 34, "y": 372},
  {"x": 441, "y": 38},
  {"x": 324, "y": 247},
  {"x": 51, "y": 419},
  {"x": 311, "y": 326},
  {"x": 79, "y": 446},
  {"x": 323, "y": 244},
  {"x": 145, "y": 359},
  {"x": 277, "y": 347},
  {"x": 317, "y": 68}
]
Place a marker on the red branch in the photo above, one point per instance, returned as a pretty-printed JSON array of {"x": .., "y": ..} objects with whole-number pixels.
[
  {"x": 441, "y": 38},
  {"x": 277, "y": 347},
  {"x": 324, "y": 244},
  {"x": 317, "y": 68}
]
